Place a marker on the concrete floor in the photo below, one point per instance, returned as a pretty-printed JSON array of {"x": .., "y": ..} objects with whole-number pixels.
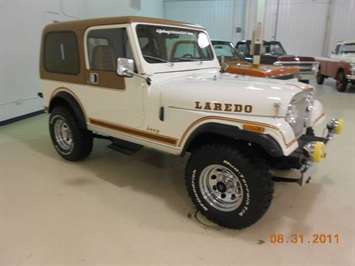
[{"x": 121, "y": 210}]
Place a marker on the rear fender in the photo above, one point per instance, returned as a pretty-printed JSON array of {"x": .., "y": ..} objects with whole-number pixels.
[{"x": 64, "y": 98}]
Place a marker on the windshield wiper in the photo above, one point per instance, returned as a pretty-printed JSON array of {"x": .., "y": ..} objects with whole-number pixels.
[
  {"x": 189, "y": 57},
  {"x": 158, "y": 59}
]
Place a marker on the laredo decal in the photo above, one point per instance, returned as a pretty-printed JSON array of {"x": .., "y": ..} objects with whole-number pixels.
[{"x": 226, "y": 107}]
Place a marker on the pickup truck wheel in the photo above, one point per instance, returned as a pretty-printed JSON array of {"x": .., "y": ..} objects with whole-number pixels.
[
  {"x": 320, "y": 78},
  {"x": 228, "y": 187},
  {"x": 71, "y": 142},
  {"x": 342, "y": 82}
]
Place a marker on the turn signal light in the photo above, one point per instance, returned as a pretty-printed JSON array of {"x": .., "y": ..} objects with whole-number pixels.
[{"x": 254, "y": 128}]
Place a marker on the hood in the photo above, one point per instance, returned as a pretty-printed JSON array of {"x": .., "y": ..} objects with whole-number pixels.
[
  {"x": 295, "y": 58},
  {"x": 230, "y": 94},
  {"x": 271, "y": 71}
]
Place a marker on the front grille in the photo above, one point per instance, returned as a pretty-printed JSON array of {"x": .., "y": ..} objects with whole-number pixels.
[{"x": 303, "y": 66}]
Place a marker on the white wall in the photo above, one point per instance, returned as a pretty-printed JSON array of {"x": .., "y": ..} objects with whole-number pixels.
[
  {"x": 215, "y": 16},
  {"x": 343, "y": 26},
  {"x": 21, "y": 23},
  {"x": 301, "y": 24}
]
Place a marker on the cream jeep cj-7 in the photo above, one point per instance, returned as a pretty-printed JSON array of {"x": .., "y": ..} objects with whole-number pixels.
[{"x": 157, "y": 83}]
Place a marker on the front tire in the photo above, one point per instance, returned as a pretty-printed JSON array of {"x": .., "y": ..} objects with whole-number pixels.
[
  {"x": 229, "y": 187},
  {"x": 342, "y": 82},
  {"x": 71, "y": 142}
]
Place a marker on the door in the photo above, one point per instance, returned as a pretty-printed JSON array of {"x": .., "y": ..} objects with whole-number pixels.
[{"x": 114, "y": 101}]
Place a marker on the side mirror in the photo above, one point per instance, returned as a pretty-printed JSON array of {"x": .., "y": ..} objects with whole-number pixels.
[{"x": 125, "y": 67}]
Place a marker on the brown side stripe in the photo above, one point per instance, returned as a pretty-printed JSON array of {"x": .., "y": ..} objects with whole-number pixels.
[{"x": 134, "y": 132}]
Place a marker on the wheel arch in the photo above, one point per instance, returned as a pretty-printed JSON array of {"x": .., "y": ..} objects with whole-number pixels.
[
  {"x": 215, "y": 131},
  {"x": 64, "y": 98},
  {"x": 340, "y": 69}
]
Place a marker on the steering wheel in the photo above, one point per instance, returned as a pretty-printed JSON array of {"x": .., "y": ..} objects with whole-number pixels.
[{"x": 187, "y": 56}]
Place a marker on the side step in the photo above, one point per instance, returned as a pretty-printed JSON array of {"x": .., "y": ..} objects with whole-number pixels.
[{"x": 125, "y": 147}]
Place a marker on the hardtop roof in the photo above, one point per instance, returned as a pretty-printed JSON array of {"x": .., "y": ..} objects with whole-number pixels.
[{"x": 81, "y": 25}]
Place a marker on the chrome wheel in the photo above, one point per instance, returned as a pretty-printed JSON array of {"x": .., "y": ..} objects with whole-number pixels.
[
  {"x": 221, "y": 188},
  {"x": 63, "y": 135}
]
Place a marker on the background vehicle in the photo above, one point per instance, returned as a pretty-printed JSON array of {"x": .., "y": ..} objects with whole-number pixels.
[
  {"x": 273, "y": 53},
  {"x": 235, "y": 63},
  {"x": 157, "y": 83},
  {"x": 340, "y": 65}
]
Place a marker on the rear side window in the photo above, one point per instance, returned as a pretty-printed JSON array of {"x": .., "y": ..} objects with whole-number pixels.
[{"x": 61, "y": 53}]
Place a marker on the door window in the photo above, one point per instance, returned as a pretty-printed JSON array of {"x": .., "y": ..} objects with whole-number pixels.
[{"x": 104, "y": 46}]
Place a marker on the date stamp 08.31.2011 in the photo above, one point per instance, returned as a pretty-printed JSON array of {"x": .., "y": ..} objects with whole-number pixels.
[{"x": 294, "y": 238}]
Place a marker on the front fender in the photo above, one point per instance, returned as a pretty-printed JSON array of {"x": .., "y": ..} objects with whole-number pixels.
[
  {"x": 317, "y": 115},
  {"x": 265, "y": 141}
]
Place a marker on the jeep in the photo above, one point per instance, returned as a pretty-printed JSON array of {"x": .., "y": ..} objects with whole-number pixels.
[{"x": 145, "y": 82}]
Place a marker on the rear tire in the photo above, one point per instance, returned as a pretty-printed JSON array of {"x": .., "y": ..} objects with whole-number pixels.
[
  {"x": 342, "y": 82},
  {"x": 71, "y": 142},
  {"x": 320, "y": 78},
  {"x": 227, "y": 186}
]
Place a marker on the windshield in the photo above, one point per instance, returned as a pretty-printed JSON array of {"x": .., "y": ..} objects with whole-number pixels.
[
  {"x": 227, "y": 50},
  {"x": 169, "y": 44},
  {"x": 348, "y": 49}
]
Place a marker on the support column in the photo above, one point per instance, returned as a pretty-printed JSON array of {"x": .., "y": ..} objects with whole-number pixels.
[{"x": 257, "y": 41}]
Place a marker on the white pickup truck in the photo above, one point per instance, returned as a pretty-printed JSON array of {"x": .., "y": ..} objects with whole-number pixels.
[
  {"x": 157, "y": 83},
  {"x": 340, "y": 65}
]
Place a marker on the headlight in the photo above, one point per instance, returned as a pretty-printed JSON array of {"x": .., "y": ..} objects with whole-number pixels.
[
  {"x": 292, "y": 113},
  {"x": 315, "y": 67},
  {"x": 310, "y": 101},
  {"x": 277, "y": 63}
]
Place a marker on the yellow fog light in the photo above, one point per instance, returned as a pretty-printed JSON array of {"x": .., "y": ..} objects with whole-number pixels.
[
  {"x": 339, "y": 126},
  {"x": 318, "y": 151},
  {"x": 335, "y": 125}
]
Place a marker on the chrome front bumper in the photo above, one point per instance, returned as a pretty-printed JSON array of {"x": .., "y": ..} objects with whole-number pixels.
[
  {"x": 311, "y": 151},
  {"x": 334, "y": 126}
]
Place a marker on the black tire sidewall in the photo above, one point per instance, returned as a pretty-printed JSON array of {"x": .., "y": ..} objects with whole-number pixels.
[
  {"x": 82, "y": 140},
  {"x": 256, "y": 197},
  {"x": 320, "y": 78},
  {"x": 341, "y": 87},
  {"x": 57, "y": 115}
]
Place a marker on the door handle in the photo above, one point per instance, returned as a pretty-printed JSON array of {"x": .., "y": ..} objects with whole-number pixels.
[{"x": 94, "y": 78}]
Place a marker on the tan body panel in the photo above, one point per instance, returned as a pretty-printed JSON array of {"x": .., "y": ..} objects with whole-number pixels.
[{"x": 331, "y": 68}]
